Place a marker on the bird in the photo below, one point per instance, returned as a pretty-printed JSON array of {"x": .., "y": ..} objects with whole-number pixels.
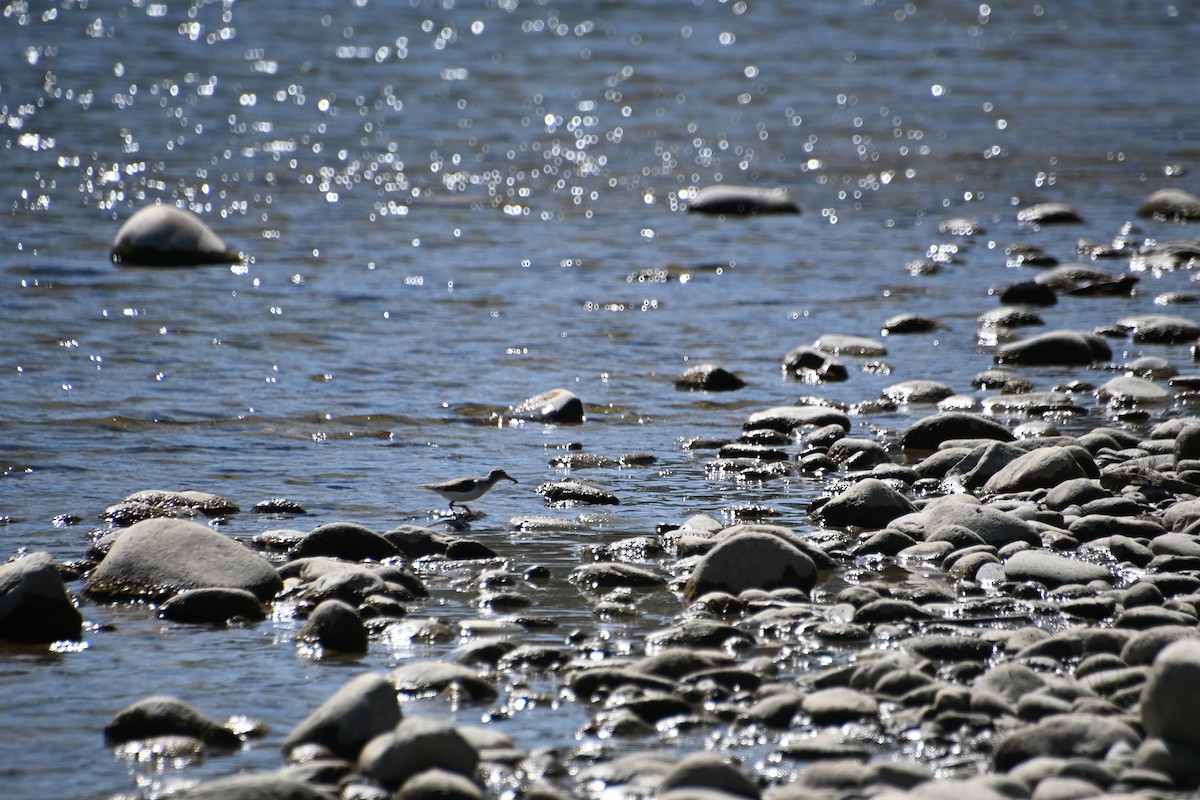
[{"x": 460, "y": 490}]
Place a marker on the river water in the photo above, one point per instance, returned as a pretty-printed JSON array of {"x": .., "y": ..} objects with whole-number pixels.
[{"x": 449, "y": 207}]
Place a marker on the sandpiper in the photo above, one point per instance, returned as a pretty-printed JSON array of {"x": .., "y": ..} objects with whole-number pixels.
[{"x": 460, "y": 490}]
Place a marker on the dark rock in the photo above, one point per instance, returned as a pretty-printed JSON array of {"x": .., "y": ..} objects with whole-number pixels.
[
  {"x": 995, "y": 527},
  {"x": 1044, "y": 468},
  {"x": 1065, "y": 735},
  {"x": 165, "y": 716},
  {"x": 269, "y": 786},
  {"x": 346, "y": 540},
  {"x": 788, "y": 418},
  {"x": 419, "y": 677},
  {"x": 1055, "y": 348},
  {"x": 751, "y": 560},
  {"x": 153, "y": 503},
  {"x": 1048, "y": 214},
  {"x": 417, "y": 744},
  {"x": 215, "y": 606},
  {"x": 356, "y": 713},
  {"x": 1170, "y": 704},
  {"x": 917, "y": 391},
  {"x": 908, "y": 323},
  {"x": 708, "y": 378},
  {"x": 730, "y": 200},
  {"x": 1171, "y": 204},
  {"x": 708, "y": 771},
  {"x": 165, "y": 236},
  {"x": 336, "y": 627},
  {"x": 1052, "y": 570},
  {"x": 839, "y": 705},
  {"x": 1159, "y": 329},
  {"x": 439, "y": 784},
  {"x": 610, "y": 574},
  {"x": 574, "y": 491},
  {"x": 928, "y": 433},
  {"x": 556, "y": 405},
  {"x": 811, "y": 365},
  {"x": 1027, "y": 293},
  {"x": 156, "y": 558},
  {"x": 869, "y": 503},
  {"x": 35, "y": 607}
]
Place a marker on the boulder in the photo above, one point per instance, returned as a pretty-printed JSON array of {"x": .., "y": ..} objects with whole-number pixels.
[
  {"x": 788, "y": 418},
  {"x": 1065, "y": 348},
  {"x": 908, "y": 323},
  {"x": 844, "y": 344},
  {"x": 214, "y": 606},
  {"x": 1172, "y": 204},
  {"x": 813, "y": 366},
  {"x": 730, "y": 200},
  {"x": 838, "y": 705},
  {"x": 1159, "y": 329},
  {"x": 1043, "y": 468},
  {"x": 917, "y": 391},
  {"x": 415, "y": 745},
  {"x": 705, "y": 770},
  {"x": 346, "y": 540},
  {"x": 1052, "y": 570},
  {"x": 869, "y": 503},
  {"x": 992, "y": 525},
  {"x": 928, "y": 433},
  {"x": 157, "y": 558},
  {"x": 336, "y": 627},
  {"x": 576, "y": 492},
  {"x": 428, "y": 677},
  {"x": 165, "y": 716},
  {"x": 35, "y": 607},
  {"x": 1048, "y": 214},
  {"x": 362, "y": 709},
  {"x": 165, "y": 236},
  {"x": 751, "y": 560}
]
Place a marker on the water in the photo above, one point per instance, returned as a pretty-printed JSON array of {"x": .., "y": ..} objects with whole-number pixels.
[{"x": 446, "y": 209}]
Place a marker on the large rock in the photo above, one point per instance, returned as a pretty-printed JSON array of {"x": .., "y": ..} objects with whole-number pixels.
[
  {"x": 732, "y": 200},
  {"x": 993, "y": 526},
  {"x": 788, "y": 418},
  {"x": 362, "y": 709},
  {"x": 1172, "y": 204},
  {"x": 1159, "y": 329},
  {"x": 439, "y": 784},
  {"x": 35, "y": 607},
  {"x": 346, "y": 540},
  {"x": 1065, "y": 348},
  {"x": 1170, "y": 702},
  {"x": 1064, "y": 736},
  {"x": 1052, "y": 570},
  {"x": 814, "y": 366},
  {"x": 847, "y": 345},
  {"x": 751, "y": 560},
  {"x": 1043, "y": 468},
  {"x": 336, "y": 627},
  {"x": 157, "y": 558},
  {"x": 165, "y": 716},
  {"x": 165, "y": 236},
  {"x": 708, "y": 378},
  {"x": 415, "y": 745},
  {"x": 556, "y": 405},
  {"x": 929, "y": 432},
  {"x": 709, "y": 771},
  {"x": 869, "y": 503},
  {"x": 427, "y": 677},
  {"x": 215, "y": 606}
]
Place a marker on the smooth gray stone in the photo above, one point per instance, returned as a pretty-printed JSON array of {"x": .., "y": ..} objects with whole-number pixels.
[
  {"x": 556, "y": 405},
  {"x": 1052, "y": 570},
  {"x": 1066, "y": 348},
  {"x": 1126, "y": 390},
  {"x": 706, "y": 770},
  {"x": 789, "y": 418},
  {"x": 420, "y": 677},
  {"x": 346, "y": 540},
  {"x": 415, "y": 745},
  {"x": 215, "y": 606},
  {"x": 360, "y": 710},
  {"x": 839, "y": 705},
  {"x": 928, "y": 433},
  {"x": 751, "y": 560},
  {"x": 160, "y": 557},
  {"x": 165, "y": 716},
  {"x": 1048, "y": 214},
  {"x": 869, "y": 503},
  {"x": 165, "y": 236},
  {"x": 994, "y": 527},
  {"x": 35, "y": 607},
  {"x": 1170, "y": 703},
  {"x": 1172, "y": 204},
  {"x": 336, "y": 627},
  {"x": 1044, "y": 468},
  {"x": 840, "y": 344},
  {"x": 1160, "y": 329},
  {"x": 1064, "y": 735},
  {"x": 439, "y": 784},
  {"x": 708, "y": 378}
]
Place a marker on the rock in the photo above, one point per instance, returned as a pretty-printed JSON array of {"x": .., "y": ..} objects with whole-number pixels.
[
  {"x": 1076, "y": 492},
  {"x": 813, "y": 366},
  {"x": 843, "y": 344},
  {"x": 1170, "y": 704},
  {"x": 611, "y": 574},
  {"x": 346, "y": 540},
  {"x": 1008, "y": 317},
  {"x": 152, "y": 503},
  {"x": 706, "y": 770},
  {"x": 1067, "y": 348},
  {"x": 908, "y": 323},
  {"x": 1043, "y": 468},
  {"x": 1171, "y": 204},
  {"x": 425, "y": 677},
  {"x": 362, "y": 709},
  {"x": 1027, "y": 293},
  {"x": 1048, "y": 214},
  {"x": 960, "y": 226},
  {"x": 730, "y": 200},
  {"x": 336, "y": 627},
  {"x": 1159, "y": 329},
  {"x": 869, "y": 503},
  {"x": 1065, "y": 735},
  {"x": 165, "y": 236},
  {"x": 417, "y": 744},
  {"x": 35, "y": 607},
  {"x": 1052, "y": 570},
  {"x": 858, "y": 454},
  {"x": 1187, "y": 444},
  {"x": 995, "y": 527},
  {"x": 928, "y": 433},
  {"x": 1086, "y": 279},
  {"x": 708, "y": 378},
  {"x": 215, "y": 606},
  {"x": 917, "y": 391},
  {"x": 751, "y": 560},
  {"x": 269, "y": 786},
  {"x": 1033, "y": 404},
  {"x": 157, "y": 558},
  {"x": 439, "y": 784},
  {"x": 556, "y": 405},
  {"x": 787, "y": 419},
  {"x": 838, "y": 705},
  {"x": 574, "y": 491},
  {"x": 165, "y": 716},
  {"x": 984, "y": 461}
]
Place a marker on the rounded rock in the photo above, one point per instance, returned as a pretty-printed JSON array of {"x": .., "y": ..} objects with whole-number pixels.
[
  {"x": 730, "y": 200},
  {"x": 215, "y": 606},
  {"x": 165, "y": 236},
  {"x": 35, "y": 607},
  {"x": 362, "y": 709},
  {"x": 751, "y": 560},
  {"x": 336, "y": 627}
]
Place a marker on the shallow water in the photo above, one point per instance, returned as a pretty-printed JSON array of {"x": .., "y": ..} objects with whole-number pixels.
[{"x": 450, "y": 207}]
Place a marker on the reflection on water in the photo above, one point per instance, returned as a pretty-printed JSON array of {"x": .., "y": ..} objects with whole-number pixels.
[{"x": 450, "y": 207}]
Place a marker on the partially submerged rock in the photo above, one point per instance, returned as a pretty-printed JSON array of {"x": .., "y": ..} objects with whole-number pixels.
[
  {"x": 556, "y": 405},
  {"x": 165, "y": 236},
  {"x": 35, "y": 607},
  {"x": 730, "y": 200}
]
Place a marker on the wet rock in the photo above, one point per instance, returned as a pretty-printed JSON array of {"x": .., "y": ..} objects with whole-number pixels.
[
  {"x": 1064, "y": 735},
  {"x": 813, "y": 366},
  {"x": 1048, "y": 214},
  {"x": 439, "y": 784},
  {"x": 612, "y": 574},
  {"x": 731, "y": 200},
  {"x": 1171, "y": 204},
  {"x": 908, "y": 323},
  {"x": 156, "y": 558},
  {"x": 1159, "y": 329},
  {"x": 1044, "y": 468},
  {"x": 212, "y": 606},
  {"x": 35, "y": 607},
  {"x": 556, "y": 405},
  {"x": 917, "y": 391},
  {"x": 1052, "y": 570},
  {"x": 1007, "y": 317},
  {"x": 160, "y": 715},
  {"x": 789, "y": 418},
  {"x": 858, "y": 454},
  {"x": 1033, "y": 404},
  {"x": 930, "y": 432},
  {"x": 153, "y": 503},
  {"x": 869, "y": 503},
  {"x": 843, "y": 344},
  {"x": 346, "y": 540},
  {"x": 1170, "y": 704},
  {"x": 336, "y": 627},
  {"x": 359, "y": 711},
  {"x": 1027, "y": 293},
  {"x": 751, "y": 560},
  {"x": 415, "y": 745},
  {"x": 165, "y": 236},
  {"x": 267, "y": 786},
  {"x": 947, "y": 647},
  {"x": 1065, "y": 348},
  {"x": 420, "y": 677},
  {"x": 995, "y": 527},
  {"x": 706, "y": 771},
  {"x": 416, "y": 541},
  {"x": 981, "y": 463},
  {"x": 708, "y": 378},
  {"x": 839, "y": 705},
  {"x": 573, "y": 491},
  {"x": 960, "y": 226}
]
